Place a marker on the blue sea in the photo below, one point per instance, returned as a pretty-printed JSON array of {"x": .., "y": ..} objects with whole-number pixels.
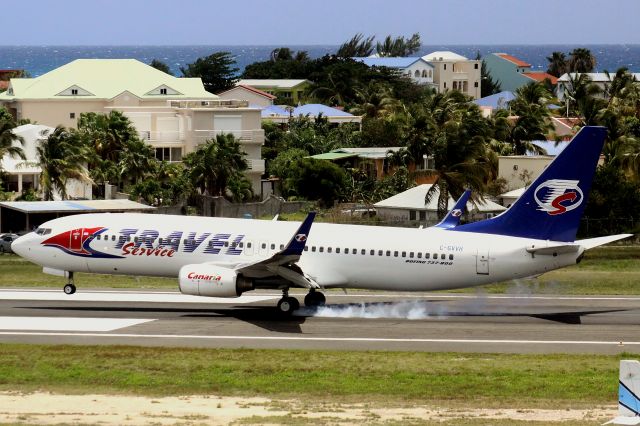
[{"x": 38, "y": 60}]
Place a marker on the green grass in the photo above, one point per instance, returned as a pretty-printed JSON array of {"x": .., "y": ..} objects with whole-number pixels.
[
  {"x": 605, "y": 270},
  {"x": 395, "y": 378}
]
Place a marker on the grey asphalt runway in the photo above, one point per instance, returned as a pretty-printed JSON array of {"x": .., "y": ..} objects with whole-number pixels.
[{"x": 358, "y": 321}]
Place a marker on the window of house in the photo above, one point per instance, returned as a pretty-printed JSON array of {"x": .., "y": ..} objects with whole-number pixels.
[
  {"x": 475, "y": 66},
  {"x": 475, "y": 84},
  {"x": 445, "y": 67},
  {"x": 163, "y": 91},
  {"x": 423, "y": 215},
  {"x": 417, "y": 74},
  {"x": 412, "y": 215},
  {"x": 74, "y": 91},
  {"x": 72, "y": 115},
  {"x": 445, "y": 84}
]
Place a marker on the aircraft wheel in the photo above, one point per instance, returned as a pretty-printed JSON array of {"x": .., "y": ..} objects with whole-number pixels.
[
  {"x": 315, "y": 298},
  {"x": 69, "y": 289},
  {"x": 287, "y": 305}
]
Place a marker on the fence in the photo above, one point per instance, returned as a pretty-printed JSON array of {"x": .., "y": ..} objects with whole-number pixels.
[{"x": 221, "y": 207}]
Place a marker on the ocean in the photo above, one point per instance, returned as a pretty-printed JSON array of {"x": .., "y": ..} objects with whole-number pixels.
[{"x": 38, "y": 60}]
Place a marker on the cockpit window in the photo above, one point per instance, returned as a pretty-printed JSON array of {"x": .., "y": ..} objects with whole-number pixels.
[{"x": 43, "y": 231}]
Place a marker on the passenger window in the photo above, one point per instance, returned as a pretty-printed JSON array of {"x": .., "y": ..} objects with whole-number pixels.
[
  {"x": 379, "y": 252},
  {"x": 450, "y": 257},
  {"x": 411, "y": 255},
  {"x": 435, "y": 256},
  {"x": 135, "y": 239},
  {"x": 226, "y": 243},
  {"x": 321, "y": 249},
  {"x": 395, "y": 254},
  {"x": 354, "y": 251},
  {"x": 273, "y": 246},
  {"x": 427, "y": 255},
  {"x": 372, "y": 252},
  {"x": 241, "y": 245},
  {"x": 346, "y": 251},
  {"x": 306, "y": 248},
  {"x": 419, "y": 255},
  {"x": 113, "y": 238},
  {"x": 363, "y": 251},
  {"x": 443, "y": 256},
  {"x": 313, "y": 248},
  {"x": 281, "y": 246},
  {"x": 328, "y": 249},
  {"x": 404, "y": 254},
  {"x": 264, "y": 246},
  {"x": 248, "y": 245},
  {"x": 388, "y": 252}
]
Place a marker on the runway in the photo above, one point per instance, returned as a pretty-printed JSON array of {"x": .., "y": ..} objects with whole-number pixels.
[{"x": 358, "y": 321}]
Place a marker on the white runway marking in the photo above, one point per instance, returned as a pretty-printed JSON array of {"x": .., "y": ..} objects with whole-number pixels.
[
  {"x": 334, "y": 339},
  {"x": 68, "y": 323},
  {"x": 131, "y": 296}
]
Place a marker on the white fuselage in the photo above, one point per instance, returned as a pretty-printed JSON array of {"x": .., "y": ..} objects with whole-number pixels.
[{"x": 365, "y": 257}]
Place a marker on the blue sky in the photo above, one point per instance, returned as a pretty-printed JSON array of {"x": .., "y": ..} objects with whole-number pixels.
[{"x": 242, "y": 22}]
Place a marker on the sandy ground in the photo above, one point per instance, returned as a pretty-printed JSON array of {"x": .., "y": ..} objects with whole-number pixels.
[{"x": 46, "y": 408}]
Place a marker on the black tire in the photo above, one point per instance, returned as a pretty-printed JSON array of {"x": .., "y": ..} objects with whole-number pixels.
[
  {"x": 314, "y": 298},
  {"x": 69, "y": 289},
  {"x": 287, "y": 305}
]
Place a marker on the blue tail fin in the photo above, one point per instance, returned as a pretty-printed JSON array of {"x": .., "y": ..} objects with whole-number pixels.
[
  {"x": 551, "y": 208},
  {"x": 452, "y": 219}
]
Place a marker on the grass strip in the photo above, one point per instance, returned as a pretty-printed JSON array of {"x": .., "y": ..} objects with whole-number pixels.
[{"x": 478, "y": 380}]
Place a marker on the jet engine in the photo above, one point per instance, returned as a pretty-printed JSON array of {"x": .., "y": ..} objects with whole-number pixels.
[{"x": 212, "y": 281}]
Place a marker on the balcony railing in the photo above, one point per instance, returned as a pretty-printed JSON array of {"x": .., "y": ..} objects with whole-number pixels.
[
  {"x": 214, "y": 103},
  {"x": 245, "y": 136},
  {"x": 164, "y": 137}
]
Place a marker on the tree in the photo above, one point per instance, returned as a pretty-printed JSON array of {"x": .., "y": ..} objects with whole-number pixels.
[
  {"x": 399, "y": 46},
  {"x": 159, "y": 65},
  {"x": 357, "y": 47},
  {"x": 136, "y": 161},
  {"x": 488, "y": 86},
  {"x": 217, "y": 71},
  {"x": 317, "y": 180},
  {"x": 8, "y": 139},
  {"x": 557, "y": 64},
  {"x": 213, "y": 165},
  {"x": 581, "y": 60},
  {"x": 61, "y": 156}
]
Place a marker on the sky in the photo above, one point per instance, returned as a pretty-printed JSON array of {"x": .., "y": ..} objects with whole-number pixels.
[{"x": 323, "y": 22}]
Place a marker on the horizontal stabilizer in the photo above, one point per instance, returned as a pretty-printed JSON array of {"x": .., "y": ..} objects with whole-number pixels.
[
  {"x": 554, "y": 250},
  {"x": 599, "y": 241},
  {"x": 624, "y": 421}
]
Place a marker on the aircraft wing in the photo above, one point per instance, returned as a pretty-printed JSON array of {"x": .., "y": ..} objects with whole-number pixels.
[
  {"x": 452, "y": 219},
  {"x": 283, "y": 263}
]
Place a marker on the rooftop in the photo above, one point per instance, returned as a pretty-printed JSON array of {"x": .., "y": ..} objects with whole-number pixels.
[
  {"x": 513, "y": 60},
  {"x": 252, "y": 90},
  {"x": 443, "y": 55},
  {"x": 541, "y": 76},
  {"x": 77, "y": 206},
  {"x": 274, "y": 82},
  {"x": 414, "y": 199},
  {"x": 393, "y": 62},
  {"x": 596, "y": 76},
  {"x": 105, "y": 79},
  {"x": 496, "y": 101}
]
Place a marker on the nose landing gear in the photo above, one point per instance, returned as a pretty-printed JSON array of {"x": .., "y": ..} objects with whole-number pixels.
[{"x": 69, "y": 288}]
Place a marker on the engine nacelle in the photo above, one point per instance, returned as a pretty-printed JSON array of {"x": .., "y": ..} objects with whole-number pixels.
[{"x": 213, "y": 281}]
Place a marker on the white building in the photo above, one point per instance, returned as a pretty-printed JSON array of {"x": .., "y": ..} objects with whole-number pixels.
[
  {"x": 25, "y": 174},
  {"x": 455, "y": 72},
  {"x": 419, "y": 70},
  {"x": 600, "y": 79}
]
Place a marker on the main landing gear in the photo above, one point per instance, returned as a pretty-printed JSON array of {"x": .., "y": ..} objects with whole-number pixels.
[
  {"x": 70, "y": 288},
  {"x": 287, "y": 305},
  {"x": 314, "y": 298}
]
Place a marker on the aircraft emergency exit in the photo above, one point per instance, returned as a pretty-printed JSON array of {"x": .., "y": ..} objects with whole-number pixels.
[{"x": 223, "y": 257}]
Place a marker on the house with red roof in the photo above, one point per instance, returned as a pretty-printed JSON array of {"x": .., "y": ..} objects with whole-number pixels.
[
  {"x": 512, "y": 72},
  {"x": 248, "y": 93}
]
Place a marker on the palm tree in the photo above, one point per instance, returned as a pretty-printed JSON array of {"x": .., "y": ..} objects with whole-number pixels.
[
  {"x": 8, "y": 139},
  {"x": 60, "y": 157},
  {"x": 358, "y": 46},
  {"x": 399, "y": 46},
  {"x": 375, "y": 100},
  {"x": 581, "y": 60},
  {"x": 214, "y": 164},
  {"x": 136, "y": 161},
  {"x": 557, "y": 64}
]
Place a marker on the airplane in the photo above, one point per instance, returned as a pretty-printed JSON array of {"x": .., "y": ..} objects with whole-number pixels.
[
  {"x": 224, "y": 257},
  {"x": 628, "y": 394}
]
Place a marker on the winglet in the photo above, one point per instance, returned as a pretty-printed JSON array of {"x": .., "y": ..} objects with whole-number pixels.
[
  {"x": 452, "y": 219},
  {"x": 299, "y": 240}
]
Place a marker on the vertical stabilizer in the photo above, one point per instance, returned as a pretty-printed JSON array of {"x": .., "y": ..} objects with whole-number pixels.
[
  {"x": 628, "y": 394},
  {"x": 551, "y": 208}
]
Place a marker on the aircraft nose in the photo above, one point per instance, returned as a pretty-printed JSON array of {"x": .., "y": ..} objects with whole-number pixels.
[{"x": 21, "y": 245}]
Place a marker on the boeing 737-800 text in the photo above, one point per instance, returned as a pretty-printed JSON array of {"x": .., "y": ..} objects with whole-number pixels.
[{"x": 223, "y": 257}]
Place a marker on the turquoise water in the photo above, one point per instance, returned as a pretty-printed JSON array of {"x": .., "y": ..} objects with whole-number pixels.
[{"x": 38, "y": 60}]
